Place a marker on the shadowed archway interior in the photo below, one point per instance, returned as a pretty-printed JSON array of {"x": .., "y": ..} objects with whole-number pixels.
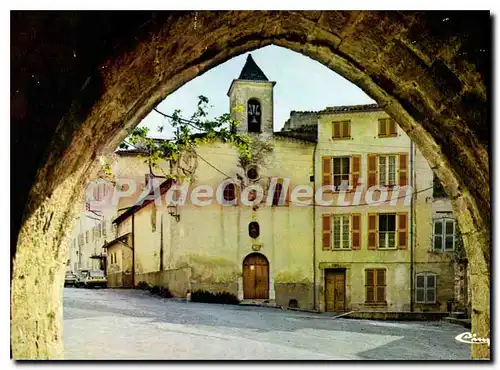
[{"x": 81, "y": 82}]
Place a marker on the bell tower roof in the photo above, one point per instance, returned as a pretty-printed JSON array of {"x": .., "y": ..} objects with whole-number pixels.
[{"x": 251, "y": 71}]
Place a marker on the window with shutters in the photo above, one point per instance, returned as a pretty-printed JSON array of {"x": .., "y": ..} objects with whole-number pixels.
[
  {"x": 341, "y": 130},
  {"x": 387, "y": 170},
  {"x": 341, "y": 232},
  {"x": 387, "y": 231},
  {"x": 425, "y": 288},
  {"x": 444, "y": 235},
  {"x": 341, "y": 172},
  {"x": 375, "y": 286},
  {"x": 387, "y": 127}
]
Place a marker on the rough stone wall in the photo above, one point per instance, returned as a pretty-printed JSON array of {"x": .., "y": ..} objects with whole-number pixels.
[
  {"x": 302, "y": 292},
  {"x": 216, "y": 287},
  {"x": 428, "y": 70},
  {"x": 299, "y": 119},
  {"x": 114, "y": 280},
  {"x": 178, "y": 281}
]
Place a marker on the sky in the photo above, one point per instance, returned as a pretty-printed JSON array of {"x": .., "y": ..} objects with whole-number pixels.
[{"x": 302, "y": 84}]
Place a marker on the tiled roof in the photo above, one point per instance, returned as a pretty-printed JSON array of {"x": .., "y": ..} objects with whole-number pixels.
[
  {"x": 141, "y": 203},
  {"x": 346, "y": 108},
  {"x": 251, "y": 71},
  {"x": 351, "y": 108}
]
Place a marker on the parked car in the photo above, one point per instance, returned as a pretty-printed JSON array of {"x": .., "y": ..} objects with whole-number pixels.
[
  {"x": 91, "y": 279},
  {"x": 81, "y": 275},
  {"x": 70, "y": 279}
]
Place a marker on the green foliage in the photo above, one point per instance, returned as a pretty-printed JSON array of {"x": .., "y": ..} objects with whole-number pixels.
[
  {"x": 142, "y": 285},
  {"x": 188, "y": 134},
  {"x": 209, "y": 297},
  {"x": 254, "y": 152},
  {"x": 107, "y": 171},
  {"x": 161, "y": 291}
]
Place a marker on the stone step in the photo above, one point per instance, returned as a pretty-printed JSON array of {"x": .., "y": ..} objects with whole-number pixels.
[
  {"x": 466, "y": 323},
  {"x": 458, "y": 315}
]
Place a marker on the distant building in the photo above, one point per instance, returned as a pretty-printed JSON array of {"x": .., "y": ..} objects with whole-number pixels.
[{"x": 93, "y": 227}]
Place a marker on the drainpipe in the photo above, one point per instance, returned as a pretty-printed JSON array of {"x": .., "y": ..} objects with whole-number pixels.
[
  {"x": 79, "y": 245},
  {"x": 161, "y": 243},
  {"x": 412, "y": 220},
  {"x": 314, "y": 223},
  {"x": 133, "y": 253}
]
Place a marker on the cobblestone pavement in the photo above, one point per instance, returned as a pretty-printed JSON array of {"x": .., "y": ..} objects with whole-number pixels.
[{"x": 130, "y": 324}]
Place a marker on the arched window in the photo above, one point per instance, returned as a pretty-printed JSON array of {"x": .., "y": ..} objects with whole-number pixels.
[
  {"x": 254, "y": 115},
  {"x": 277, "y": 194},
  {"x": 229, "y": 192}
]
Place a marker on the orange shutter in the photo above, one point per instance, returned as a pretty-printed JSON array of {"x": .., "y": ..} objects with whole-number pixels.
[
  {"x": 346, "y": 129},
  {"x": 327, "y": 232},
  {"x": 382, "y": 131},
  {"x": 327, "y": 171},
  {"x": 393, "y": 128},
  {"x": 356, "y": 231},
  {"x": 403, "y": 169},
  {"x": 355, "y": 170},
  {"x": 372, "y": 170},
  {"x": 403, "y": 230},
  {"x": 336, "y": 130},
  {"x": 372, "y": 231}
]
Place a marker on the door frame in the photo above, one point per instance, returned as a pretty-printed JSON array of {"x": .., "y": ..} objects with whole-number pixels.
[
  {"x": 271, "y": 292},
  {"x": 342, "y": 270}
]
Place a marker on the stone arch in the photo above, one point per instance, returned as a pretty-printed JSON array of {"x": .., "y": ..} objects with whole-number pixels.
[{"x": 431, "y": 79}]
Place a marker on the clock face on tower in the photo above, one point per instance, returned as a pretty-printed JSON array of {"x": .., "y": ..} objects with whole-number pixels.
[{"x": 254, "y": 115}]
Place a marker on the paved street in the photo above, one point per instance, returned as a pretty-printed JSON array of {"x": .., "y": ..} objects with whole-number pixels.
[{"x": 128, "y": 324}]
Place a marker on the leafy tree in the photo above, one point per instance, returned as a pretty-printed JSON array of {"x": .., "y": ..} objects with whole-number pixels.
[{"x": 189, "y": 133}]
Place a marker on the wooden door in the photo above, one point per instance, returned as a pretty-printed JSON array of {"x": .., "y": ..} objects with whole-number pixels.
[
  {"x": 335, "y": 290},
  {"x": 255, "y": 277}
]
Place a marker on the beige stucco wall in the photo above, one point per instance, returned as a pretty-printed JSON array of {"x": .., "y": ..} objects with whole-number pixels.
[
  {"x": 364, "y": 140},
  {"x": 241, "y": 91},
  {"x": 123, "y": 166},
  {"x": 213, "y": 240}
]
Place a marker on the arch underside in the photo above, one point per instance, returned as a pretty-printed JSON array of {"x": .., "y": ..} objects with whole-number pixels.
[{"x": 416, "y": 72}]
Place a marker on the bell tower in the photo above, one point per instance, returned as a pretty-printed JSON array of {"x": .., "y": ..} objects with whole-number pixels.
[{"x": 251, "y": 100}]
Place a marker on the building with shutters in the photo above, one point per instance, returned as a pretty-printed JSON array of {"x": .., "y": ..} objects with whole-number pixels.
[
  {"x": 366, "y": 243},
  {"x": 374, "y": 253}
]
